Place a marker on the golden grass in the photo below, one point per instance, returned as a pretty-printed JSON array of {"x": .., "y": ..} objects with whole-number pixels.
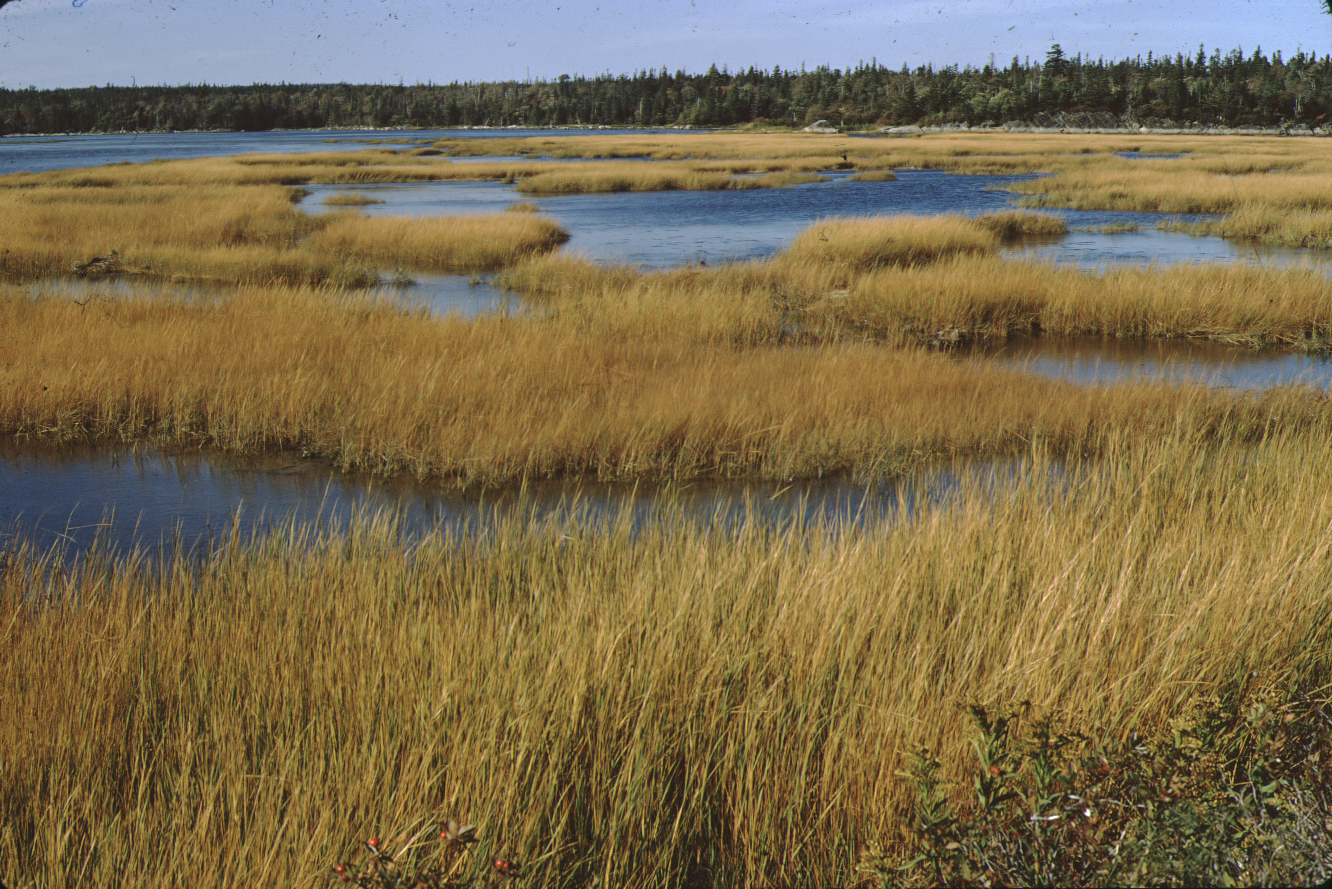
[
  {"x": 460, "y": 243},
  {"x": 1257, "y": 224},
  {"x": 873, "y": 176},
  {"x": 232, "y": 232},
  {"x": 645, "y": 390},
  {"x": 874, "y": 242},
  {"x": 786, "y": 180},
  {"x": 350, "y": 199},
  {"x": 665, "y": 704},
  {"x": 1015, "y": 225},
  {"x": 609, "y": 177},
  {"x": 226, "y": 219},
  {"x": 840, "y": 289}
]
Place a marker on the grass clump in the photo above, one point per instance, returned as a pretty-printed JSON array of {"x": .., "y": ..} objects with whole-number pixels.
[
  {"x": 1016, "y": 225},
  {"x": 463, "y": 243},
  {"x": 873, "y": 176},
  {"x": 786, "y": 180},
  {"x": 876, "y": 242},
  {"x": 350, "y": 199}
]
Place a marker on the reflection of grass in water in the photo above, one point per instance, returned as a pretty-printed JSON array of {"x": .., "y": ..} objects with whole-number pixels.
[{"x": 380, "y": 685}]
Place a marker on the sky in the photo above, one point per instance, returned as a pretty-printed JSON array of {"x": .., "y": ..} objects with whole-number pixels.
[{"x": 71, "y": 43}]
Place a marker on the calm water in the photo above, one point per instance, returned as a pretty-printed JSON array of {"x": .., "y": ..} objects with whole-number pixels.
[
  {"x": 1112, "y": 361},
  {"x": 663, "y": 229},
  {"x": 141, "y": 497}
]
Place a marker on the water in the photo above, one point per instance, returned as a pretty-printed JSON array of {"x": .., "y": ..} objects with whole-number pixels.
[
  {"x": 128, "y": 497},
  {"x": 34, "y": 154},
  {"x": 667, "y": 228},
  {"x": 1098, "y": 361},
  {"x": 461, "y": 296}
]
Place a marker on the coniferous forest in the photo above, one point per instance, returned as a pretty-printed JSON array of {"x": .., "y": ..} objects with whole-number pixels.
[{"x": 1233, "y": 89}]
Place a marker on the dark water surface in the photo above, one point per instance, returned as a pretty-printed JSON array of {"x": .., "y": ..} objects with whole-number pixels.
[
  {"x": 1096, "y": 361},
  {"x": 127, "y": 497}
]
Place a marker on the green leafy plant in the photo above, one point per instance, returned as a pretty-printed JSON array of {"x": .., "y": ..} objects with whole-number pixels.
[{"x": 1228, "y": 793}]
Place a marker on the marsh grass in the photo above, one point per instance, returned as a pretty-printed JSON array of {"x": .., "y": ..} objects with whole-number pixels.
[
  {"x": 1016, "y": 225},
  {"x": 678, "y": 702},
  {"x": 463, "y": 243},
  {"x": 197, "y": 228},
  {"x": 873, "y": 176},
  {"x": 875, "y": 242},
  {"x": 629, "y": 177},
  {"x": 634, "y": 383},
  {"x": 843, "y": 288},
  {"x": 786, "y": 180},
  {"x": 350, "y": 199}
]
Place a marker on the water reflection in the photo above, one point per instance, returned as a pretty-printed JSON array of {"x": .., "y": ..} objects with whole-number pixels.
[
  {"x": 1115, "y": 361},
  {"x": 127, "y": 497}
]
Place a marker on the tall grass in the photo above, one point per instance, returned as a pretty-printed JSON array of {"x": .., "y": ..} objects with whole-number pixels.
[
  {"x": 498, "y": 399},
  {"x": 875, "y": 242},
  {"x": 464, "y": 243},
  {"x": 900, "y": 280},
  {"x": 677, "y": 703}
]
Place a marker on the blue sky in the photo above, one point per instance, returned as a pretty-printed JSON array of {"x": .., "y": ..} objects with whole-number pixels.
[{"x": 53, "y": 43}]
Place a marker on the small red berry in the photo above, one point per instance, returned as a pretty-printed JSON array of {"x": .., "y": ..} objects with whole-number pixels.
[
  {"x": 373, "y": 842},
  {"x": 994, "y": 770}
]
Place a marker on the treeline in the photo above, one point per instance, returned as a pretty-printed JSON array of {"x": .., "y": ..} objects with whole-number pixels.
[{"x": 1231, "y": 89}]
